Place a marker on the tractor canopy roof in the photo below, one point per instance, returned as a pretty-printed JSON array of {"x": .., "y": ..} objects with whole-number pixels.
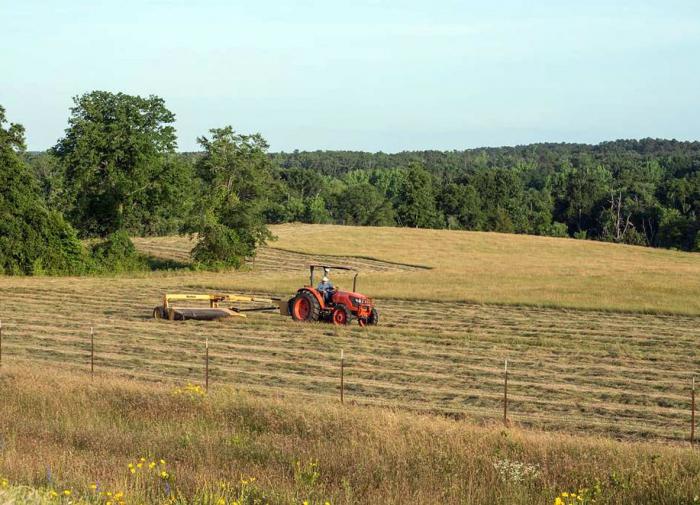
[{"x": 333, "y": 267}]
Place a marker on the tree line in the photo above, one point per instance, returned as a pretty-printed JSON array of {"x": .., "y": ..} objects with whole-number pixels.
[
  {"x": 642, "y": 192},
  {"x": 116, "y": 173}
]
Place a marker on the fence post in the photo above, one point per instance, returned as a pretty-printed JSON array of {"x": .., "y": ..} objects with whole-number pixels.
[
  {"x": 342, "y": 373},
  {"x": 92, "y": 352},
  {"x": 206, "y": 365},
  {"x": 505, "y": 394},
  {"x": 0, "y": 342},
  {"x": 692, "y": 413}
]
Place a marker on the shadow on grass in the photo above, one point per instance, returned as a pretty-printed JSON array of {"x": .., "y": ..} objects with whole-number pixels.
[{"x": 156, "y": 263}]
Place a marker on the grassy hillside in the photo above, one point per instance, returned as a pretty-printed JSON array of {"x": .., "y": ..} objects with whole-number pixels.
[
  {"x": 62, "y": 432},
  {"x": 491, "y": 267},
  {"x": 613, "y": 373},
  {"x": 604, "y": 371}
]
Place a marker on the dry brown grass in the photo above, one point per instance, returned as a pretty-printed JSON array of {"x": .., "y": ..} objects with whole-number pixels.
[
  {"x": 86, "y": 432},
  {"x": 611, "y": 372},
  {"x": 495, "y": 268},
  {"x": 620, "y": 374}
]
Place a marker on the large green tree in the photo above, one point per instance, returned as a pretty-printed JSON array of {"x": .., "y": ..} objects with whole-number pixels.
[
  {"x": 363, "y": 204},
  {"x": 416, "y": 200},
  {"x": 114, "y": 157},
  {"x": 236, "y": 176},
  {"x": 33, "y": 239}
]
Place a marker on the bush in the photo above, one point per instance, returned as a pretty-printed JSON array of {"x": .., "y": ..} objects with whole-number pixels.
[
  {"x": 220, "y": 246},
  {"x": 117, "y": 254},
  {"x": 556, "y": 229}
]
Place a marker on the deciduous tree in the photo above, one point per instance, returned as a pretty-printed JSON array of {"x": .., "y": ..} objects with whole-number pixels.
[{"x": 113, "y": 155}]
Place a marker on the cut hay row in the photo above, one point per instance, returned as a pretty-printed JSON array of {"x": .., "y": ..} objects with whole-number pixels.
[{"x": 620, "y": 374}]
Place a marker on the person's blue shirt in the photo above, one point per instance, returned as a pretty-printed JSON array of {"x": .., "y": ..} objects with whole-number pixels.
[{"x": 325, "y": 287}]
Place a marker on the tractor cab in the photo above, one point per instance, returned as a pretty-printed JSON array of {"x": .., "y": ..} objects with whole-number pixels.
[{"x": 332, "y": 305}]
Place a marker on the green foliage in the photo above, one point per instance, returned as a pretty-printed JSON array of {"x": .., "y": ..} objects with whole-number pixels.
[
  {"x": 362, "y": 204},
  {"x": 116, "y": 170},
  {"x": 33, "y": 239},
  {"x": 462, "y": 206},
  {"x": 644, "y": 192},
  {"x": 113, "y": 158},
  {"x": 236, "y": 174},
  {"x": 416, "y": 200},
  {"x": 117, "y": 254}
]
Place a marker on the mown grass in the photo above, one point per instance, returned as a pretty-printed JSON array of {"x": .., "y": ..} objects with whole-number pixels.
[
  {"x": 496, "y": 268},
  {"x": 609, "y": 372},
  {"x": 64, "y": 431},
  {"x": 625, "y": 375}
]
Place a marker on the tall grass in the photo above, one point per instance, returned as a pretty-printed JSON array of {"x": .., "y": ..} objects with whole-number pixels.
[{"x": 63, "y": 431}]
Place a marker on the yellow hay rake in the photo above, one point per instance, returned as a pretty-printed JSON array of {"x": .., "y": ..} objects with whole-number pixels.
[{"x": 214, "y": 311}]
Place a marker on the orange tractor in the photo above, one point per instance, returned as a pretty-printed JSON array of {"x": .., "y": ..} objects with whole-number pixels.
[{"x": 336, "y": 306}]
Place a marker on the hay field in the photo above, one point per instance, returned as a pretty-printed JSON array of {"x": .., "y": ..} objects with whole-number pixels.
[
  {"x": 63, "y": 431},
  {"x": 488, "y": 267},
  {"x": 620, "y": 374}
]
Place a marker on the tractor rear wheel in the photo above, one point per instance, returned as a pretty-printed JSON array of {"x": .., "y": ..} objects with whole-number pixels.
[
  {"x": 305, "y": 307},
  {"x": 341, "y": 316},
  {"x": 373, "y": 318},
  {"x": 159, "y": 313}
]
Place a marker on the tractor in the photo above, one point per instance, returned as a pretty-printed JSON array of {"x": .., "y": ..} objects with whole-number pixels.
[{"x": 337, "y": 307}]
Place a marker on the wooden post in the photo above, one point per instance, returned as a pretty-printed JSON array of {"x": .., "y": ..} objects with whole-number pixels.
[
  {"x": 692, "y": 414},
  {"x": 342, "y": 373},
  {"x": 206, "y": 366},
  {"x": 0, "y": 342},
  {"x": 505, "y": 394},
  {"x": 92, "y": 352}
]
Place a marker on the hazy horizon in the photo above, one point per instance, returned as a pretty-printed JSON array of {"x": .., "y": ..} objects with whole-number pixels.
[{"x": 370, "y": 76}]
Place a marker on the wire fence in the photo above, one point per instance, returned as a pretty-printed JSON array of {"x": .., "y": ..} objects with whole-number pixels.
[{"x": 202, "y": 362}]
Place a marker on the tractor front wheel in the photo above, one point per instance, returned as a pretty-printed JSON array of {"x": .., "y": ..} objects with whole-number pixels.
[
  {"x": 373, "y": 318},
  {"x": 305, "y": 307},
  {"x": 341, "y": 316}
]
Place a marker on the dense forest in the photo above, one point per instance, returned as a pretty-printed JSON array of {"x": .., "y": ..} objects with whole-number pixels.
[
  {"x": 644, "y": 192},
  {"x": 116, "y": 172}
]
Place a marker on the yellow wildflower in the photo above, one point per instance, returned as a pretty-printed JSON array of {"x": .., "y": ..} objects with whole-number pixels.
[
  {"x": 139, "y": 465},
  {"x": 142, "y": 460},
  {"x": 93, "y": 486},
  {"x": 132, "y": 470},
  {"x": 162, "y": 462},
  {"x": 151, "y": 465},
  {"x": 164, "y": 474},
  {"x": 221, "y": 501},
  {"x": 118, "y": 495},
  {"x": 53, "y": 493}
]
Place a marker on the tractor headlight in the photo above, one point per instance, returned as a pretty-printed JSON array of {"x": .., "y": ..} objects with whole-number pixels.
[{"x": 358, "y": 301}]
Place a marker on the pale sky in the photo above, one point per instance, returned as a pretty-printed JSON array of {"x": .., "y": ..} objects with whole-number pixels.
[{"x": 364, "y": 75}]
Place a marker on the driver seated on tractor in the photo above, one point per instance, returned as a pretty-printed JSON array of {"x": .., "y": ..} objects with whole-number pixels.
[{"x": 326, "y": 288}]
